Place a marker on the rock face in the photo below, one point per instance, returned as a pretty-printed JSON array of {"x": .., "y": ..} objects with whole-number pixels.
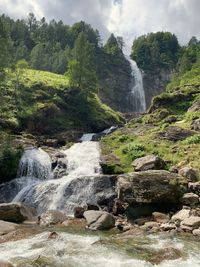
[
  {"x": 99, "y": 220},
  {"x": 6, "y": 227},
  {"x": 196, "y": 125},
  {"x": 52, "y": 217},
  {"x": 195, "y": 107},
  {"x": 189, "y": 173},
  {"x": 16, "y": 212},
  {"x": 174, "y": 133},
  {"x": 149, "y": 162},
  {"x": 150, "y": 187},
  {"x": 190, "y": 199}
]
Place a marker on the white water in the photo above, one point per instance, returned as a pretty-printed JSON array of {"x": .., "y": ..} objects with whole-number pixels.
[
  {"x": 137, "y": 93},
  {"x": 73, "y": 250},
  {"x": 71, "y": 190}
]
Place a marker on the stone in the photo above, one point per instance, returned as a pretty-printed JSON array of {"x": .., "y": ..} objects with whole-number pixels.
[
  {"x": 150, "y": 162},
  {"x": 186, "y": 228},
  {"x": 196, "y": 232},
  {"x": 53, "y": 235},
  {"x": 160, "y": 217},
  {"x": 5, "y": 264},
  {"x": 181, "y": 215},
  {"x": 168, "y": 226},
  {"x": 196, "y": 125},
  {"x": 119, "y": 207},
  {"x": 99, "y": 220},
  {"x": 189, "y": 199},
  {"x": 173, "y": 169},
  {"x": 141, "y": 221},
  {"x": 151, "y": 224},
  {"x": 151, "y": 187},
  {"x": 175, "y": 133},
  {"x": 52, "y": 217},
  {"x": 7, "y": 227},
  {"x": 78, "y": 212},
  {"x": 74, "y": 223},
  {"x": 16, "y": 212},
  {"x": 61, "y": 169},
  {"x": 192, "y": 221},
  {"x": 194, "y": 107},
  {"x": 189, "y": 173},
  {"x": 194, "y": 187}
]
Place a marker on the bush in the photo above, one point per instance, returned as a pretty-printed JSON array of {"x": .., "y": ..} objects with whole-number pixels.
[{"x": 134, "y": 151}]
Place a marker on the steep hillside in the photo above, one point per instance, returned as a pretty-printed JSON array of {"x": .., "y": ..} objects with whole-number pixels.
[{"x": 170, "y": 129}]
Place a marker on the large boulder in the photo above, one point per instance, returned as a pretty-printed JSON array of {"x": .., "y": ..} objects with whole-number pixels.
[
  {"x": 195, "y": 187},
  {"x": 160, "y": 217},
  {"x": 189, "y": 199},
  {"x": 192, "y": 221},
  {"x": 16, "y": 212},
  {"x": 151, "y": 187},
  {"x": 52, "y": 217},
  {"x": 174, "y": 133},
  {"x": 189, "y": 173},
  {"x": 150, "y": 162},
  {"x": 181, "y": 215},
  {"x": 7, "y": 227},
  {"x": 99, "y": 220}
]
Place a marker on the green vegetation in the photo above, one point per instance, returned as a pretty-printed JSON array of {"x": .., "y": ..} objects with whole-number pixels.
[{"x": 154, "y": 50}]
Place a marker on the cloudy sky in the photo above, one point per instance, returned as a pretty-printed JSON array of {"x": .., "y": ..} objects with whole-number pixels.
[{"x": 127, "y": 18}]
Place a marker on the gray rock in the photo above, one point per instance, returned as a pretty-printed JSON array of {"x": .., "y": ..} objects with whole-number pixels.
[
  {"x": 189, "y": 173},
  {"x": 99, "y": 220},
  {"x": 150, "y": 187},
  {"x": 190, "y": 199},
  {"x": 174, "y": 133},
  {"x": 61, "y": 168},
  {"x": 151, "y": 224},
  {"x": 16, "y": 212},
  {"x": 7, "y": 227},
  {"x": 194, "y": 187},
  {"x": 196, "y": 232},
  {"x": 192, "y": 221},
  {"x": 150, "y": 162},
  {"x": 181, "y": 215},
  {"x": 78, "y": 212},
  {"x": 195, "y": 107},
  {"x": 196, "y": 125},
  {"x": 168, "y": 226},
  {"x": 52, "y": 217}
]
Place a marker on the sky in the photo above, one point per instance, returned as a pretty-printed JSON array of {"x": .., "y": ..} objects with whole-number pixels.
[{"x": 126, "y": 18}]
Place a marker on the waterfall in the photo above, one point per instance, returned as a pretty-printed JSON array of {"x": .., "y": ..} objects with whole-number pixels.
[
  {"x": 71, "y": 190},
  {"x": 136, "y": 98},
  {"x": 36, "y": 163}
]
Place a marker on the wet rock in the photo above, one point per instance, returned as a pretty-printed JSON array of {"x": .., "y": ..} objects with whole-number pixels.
[
  {"x": 194, "y": 107},
  {"x": 192, "y": 221},
  {"x": 74, "y": 223},
  {"x": 185, "y": 228},
  {"x": 150, "y": 162},
  {"x": 53, "y": 235},
  {"x": 7, "y": 227},
  {"x": 150, "y": 187},
  {"x": 189, "y": 173},
  {"x": 196, "y": 125},
  {"x": 196, "y": 232},
  {"x": 171, "y": 119},
  {"x": 189, "y": 199},
  {"x": 61, "y": 168},
  {"x": 150, "y": 225},
  {"x": 168, "y": 253},
  {"x": 99, "y": 220},
  {"x": 119, "y": 207},
  {"x": 174, "y": 133},
  {"x": 141, "y": 221},
  {"x": 52, "y": 217},
  {"x": 78, "y": 212},
  {"x": 16, "y": 212},
  {"x": 5, "y": 264},
  {"x": 160, "y": 217},
  {"x": 168, "y": 226},
  {"x": 181, "y": 215}
]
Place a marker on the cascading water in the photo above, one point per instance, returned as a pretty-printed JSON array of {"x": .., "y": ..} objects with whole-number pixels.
[
  {"x": 136, "y": 98},
  {"x": 71, "y": 190}
]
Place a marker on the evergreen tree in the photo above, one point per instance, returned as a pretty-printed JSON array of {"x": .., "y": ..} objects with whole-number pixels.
[
  {"x": 82, "y": 73},
  {"x": 113, "y": 46}
]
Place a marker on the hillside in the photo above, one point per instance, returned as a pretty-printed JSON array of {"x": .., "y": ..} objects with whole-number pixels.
[{"x": 170, "y": 129}]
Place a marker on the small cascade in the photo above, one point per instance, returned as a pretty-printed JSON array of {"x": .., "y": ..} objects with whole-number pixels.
[
  {"x": 71, "y": 190},
  {"x": 136, "y": 98},
  {"x": 36, "y": 163}
]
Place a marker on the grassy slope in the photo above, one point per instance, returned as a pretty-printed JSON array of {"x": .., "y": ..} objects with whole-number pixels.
[
  {"x": 44, "y": 103},
  {"x": 141, "y": 136}
]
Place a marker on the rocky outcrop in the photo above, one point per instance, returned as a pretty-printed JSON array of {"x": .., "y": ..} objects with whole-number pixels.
[
  {"x": 174, "y": 133},
  {"x": 99, "y": 220},
  {"x": 149, "y": 162},
  {"x": 155, "y": 82},
  {"x": 189, "y": 199},
  {"x": 195, "y": 107},
  {"x": 16, "y": 212},
  {"x": 189, "y": 173},
  {"x": 150, "y": 187},
  {"x": 52, "y": 217},
  {"x": 181, "y": 215},
  {"x": 196, "y": 125},
  {"x": 7, "y": 227}
]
